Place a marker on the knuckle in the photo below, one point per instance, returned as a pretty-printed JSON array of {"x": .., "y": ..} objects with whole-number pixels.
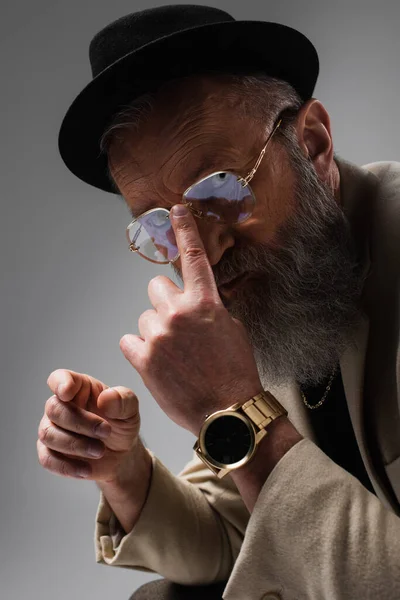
[
  {"x": 48, "y": 404},
  {"x": 183, "y": 225},
  {"x": 194, "y": 253},
  {"x": 48, "y": 407},
  {"x": 151, "y": 284},
  {"x": 177, "y": 318},
  {"x": 41, "y": 425},
  {"x": 204, "y": 308},
  {"x": 75, "y": 446},
  {"x": 141, "y": 321},
  {"x": 64, "y": 468},
  {"x": 79, "y": 427},
  {"x": 155, "y": 280},
  {"x": 39, "y": 450},
  {"x": 46, "y": 434},
  {"x": 46, "y": 461},
  {"x": 160, "y": 335},
  {"x": 159, "y": 340},
  {"x": 54, "y": 408},
  {"x": 144, "y": 317},
  {"x": 208, "y": 305}
]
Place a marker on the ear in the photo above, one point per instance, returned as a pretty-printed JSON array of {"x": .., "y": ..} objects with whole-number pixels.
[{"x": 314, "y": 135}]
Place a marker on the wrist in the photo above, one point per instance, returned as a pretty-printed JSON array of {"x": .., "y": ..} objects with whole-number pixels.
[
  {"x": 127, "y": 492},
  {"x": 249, "y": 479},
  {"x": 135, "y": 467}
]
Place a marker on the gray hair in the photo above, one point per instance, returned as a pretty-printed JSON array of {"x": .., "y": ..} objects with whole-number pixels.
[{"x": 262, "y": 98}]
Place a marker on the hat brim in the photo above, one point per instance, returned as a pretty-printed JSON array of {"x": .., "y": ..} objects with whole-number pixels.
[{"x": 232, "y": 46}]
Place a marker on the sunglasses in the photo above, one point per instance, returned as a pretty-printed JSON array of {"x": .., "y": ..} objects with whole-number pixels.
[{"x": 221, "y": 197}]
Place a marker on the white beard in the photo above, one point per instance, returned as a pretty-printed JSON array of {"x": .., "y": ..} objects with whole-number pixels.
[
  {"x": 302, "y": 301},
  {"x": 303, "y": 305}
]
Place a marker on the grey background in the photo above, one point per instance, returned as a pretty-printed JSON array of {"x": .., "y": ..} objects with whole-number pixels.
[{"x": 71, "y": 288}]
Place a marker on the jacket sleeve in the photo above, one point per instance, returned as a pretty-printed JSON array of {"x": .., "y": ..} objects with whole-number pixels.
[
  {"x": 190, "y": 529},
  {"x": 316, "y": 533}
]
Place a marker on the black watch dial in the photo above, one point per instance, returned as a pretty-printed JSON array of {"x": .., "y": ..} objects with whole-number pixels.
[{"x": 227, "y": 439}]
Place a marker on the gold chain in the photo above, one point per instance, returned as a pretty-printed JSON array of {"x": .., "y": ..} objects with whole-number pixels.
[{"x": 328, "y": 387}]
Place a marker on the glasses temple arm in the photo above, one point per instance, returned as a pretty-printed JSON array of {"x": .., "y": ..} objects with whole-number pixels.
[{"x": 250, "y": 176}]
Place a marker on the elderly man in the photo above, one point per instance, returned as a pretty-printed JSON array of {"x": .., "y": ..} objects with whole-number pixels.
[{"x": 280, "y": 352}]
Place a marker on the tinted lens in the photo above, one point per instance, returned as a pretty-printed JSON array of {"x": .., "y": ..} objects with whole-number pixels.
[
  {"x": 221, "y": 197},
  {"x": 153, "y": 236}
]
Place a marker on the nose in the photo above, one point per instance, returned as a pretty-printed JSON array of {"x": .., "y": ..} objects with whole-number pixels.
[{"x": 216, "y": 238}]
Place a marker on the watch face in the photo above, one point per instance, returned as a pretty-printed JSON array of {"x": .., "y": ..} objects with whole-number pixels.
[{"x": 227, "y": 440}]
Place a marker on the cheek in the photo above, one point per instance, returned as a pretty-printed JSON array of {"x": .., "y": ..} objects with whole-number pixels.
[
  {"x": 271, "y": 212},
  {"x": 275, "y": 203}
]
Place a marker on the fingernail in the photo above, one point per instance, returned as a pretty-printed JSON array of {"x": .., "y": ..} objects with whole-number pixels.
[
  {"x": 94, "y": 451},
  {"x": 103, "y": 430},
  {"x": 83, "y": 472},
  {"x": 179, "y": 210}
]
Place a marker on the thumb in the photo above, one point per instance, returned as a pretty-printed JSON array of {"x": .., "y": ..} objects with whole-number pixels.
[{"x": 118, "y": 403}]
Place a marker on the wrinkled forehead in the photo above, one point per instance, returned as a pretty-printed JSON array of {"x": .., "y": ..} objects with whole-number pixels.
[{"x": 189, "y": 107}]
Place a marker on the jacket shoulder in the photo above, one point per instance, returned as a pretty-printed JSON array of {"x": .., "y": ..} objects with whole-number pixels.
[
  {"x": 388, "y": 172},
  {"x": 388, "y": 197},
  {"x": 385, "y": 221}
]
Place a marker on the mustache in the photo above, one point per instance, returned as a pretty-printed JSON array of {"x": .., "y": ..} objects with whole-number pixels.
[{"x": 238, "y": 261}]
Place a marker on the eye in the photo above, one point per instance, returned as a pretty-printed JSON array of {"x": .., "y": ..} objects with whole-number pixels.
[
  {"x": 158, "y": 219},
  {"x": 219, "y": 179}
]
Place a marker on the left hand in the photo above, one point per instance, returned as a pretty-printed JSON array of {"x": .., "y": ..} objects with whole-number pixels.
[{"x": 192, "y": 356}]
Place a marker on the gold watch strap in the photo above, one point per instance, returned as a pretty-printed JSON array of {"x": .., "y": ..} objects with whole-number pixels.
[{"x": 263, "y": 408}]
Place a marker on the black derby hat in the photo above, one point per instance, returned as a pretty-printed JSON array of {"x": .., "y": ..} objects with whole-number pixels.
[{"x": 139, "y": 52}]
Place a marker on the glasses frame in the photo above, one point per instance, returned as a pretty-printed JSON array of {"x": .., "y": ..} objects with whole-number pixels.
[
  {"x": 243, "y": 180},
  {"x": 134, "y": 248}
]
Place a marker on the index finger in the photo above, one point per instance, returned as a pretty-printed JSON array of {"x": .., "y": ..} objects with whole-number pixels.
[{"x": 196, "y": 269}]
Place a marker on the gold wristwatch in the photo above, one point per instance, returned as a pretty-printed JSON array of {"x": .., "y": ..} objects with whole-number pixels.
[{"x": 228, "y": 438}]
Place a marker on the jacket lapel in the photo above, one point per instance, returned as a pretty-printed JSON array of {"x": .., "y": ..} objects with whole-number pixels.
[
  {"x": 358, "y": 197},
  {"x": 361, "y": 364},
  {"x": 360, "y": 370},
  {"x": 381, "y": 300}
]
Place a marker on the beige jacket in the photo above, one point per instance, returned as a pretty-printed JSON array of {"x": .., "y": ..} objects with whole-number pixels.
[{"x": 315, "y": 533}]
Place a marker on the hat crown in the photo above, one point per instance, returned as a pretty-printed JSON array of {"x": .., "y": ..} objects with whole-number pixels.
[
  {"x": 133, "y": 31},
  {"x": 141, "y": 51}
]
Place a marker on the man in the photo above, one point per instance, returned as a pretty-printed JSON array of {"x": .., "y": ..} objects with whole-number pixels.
[{"x": 287, "y": 320}]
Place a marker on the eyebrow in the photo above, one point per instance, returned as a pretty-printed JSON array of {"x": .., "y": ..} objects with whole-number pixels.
[
  {"x": 138, "y": 210},
  {"x": 207, "y": 165}
]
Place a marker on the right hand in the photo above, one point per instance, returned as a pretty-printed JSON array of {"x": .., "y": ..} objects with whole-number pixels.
[{"x": 68, "y": 426}]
